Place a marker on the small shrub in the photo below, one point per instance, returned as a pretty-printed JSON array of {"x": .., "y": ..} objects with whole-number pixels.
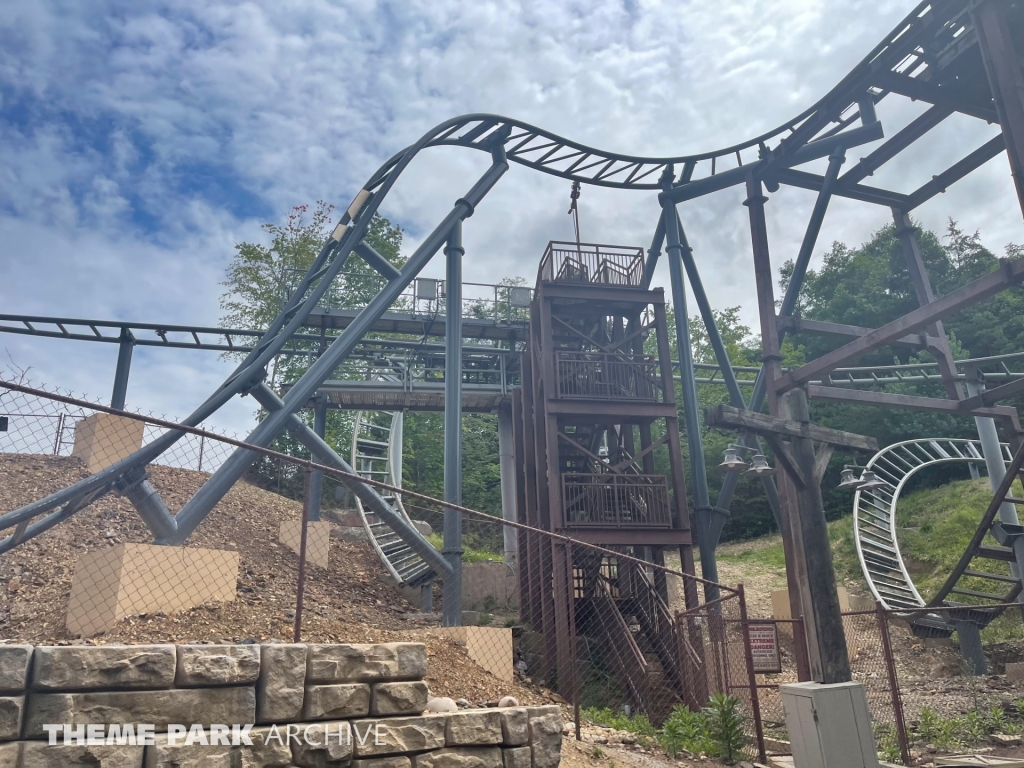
[
  {"x": 725, "y": 727},
  {"x": 686, "y": 730},
  {"x": 929, "y": 725}
]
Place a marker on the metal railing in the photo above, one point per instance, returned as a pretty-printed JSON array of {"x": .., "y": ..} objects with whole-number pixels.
[
  {"x": 592, "y": 263},
  {"x": 424, "y": 296},
  {"x": 607, "y": 376},
  {"x": 615, "y": 501}
]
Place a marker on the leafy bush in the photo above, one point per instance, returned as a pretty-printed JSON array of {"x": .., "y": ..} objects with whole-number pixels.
[
  {"x": 686, "y": 730},
  {"x": 725, "y": 727}
]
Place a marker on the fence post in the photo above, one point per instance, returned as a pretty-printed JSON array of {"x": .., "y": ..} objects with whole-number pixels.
[
  {"x": 894, "y": 685},
  {"x": 755, "y": 704},
  {"x": 301, "y": 586},
  {"x": 59, "y": 438}
]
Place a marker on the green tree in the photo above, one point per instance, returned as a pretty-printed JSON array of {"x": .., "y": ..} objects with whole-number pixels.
[{"x": 262, "y": 276}]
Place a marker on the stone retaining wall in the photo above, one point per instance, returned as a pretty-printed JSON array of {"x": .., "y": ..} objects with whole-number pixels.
[{"x": 310, "y": 705}]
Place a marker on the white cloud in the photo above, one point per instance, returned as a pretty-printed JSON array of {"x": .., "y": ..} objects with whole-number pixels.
[{"x": 140, "y": 140}]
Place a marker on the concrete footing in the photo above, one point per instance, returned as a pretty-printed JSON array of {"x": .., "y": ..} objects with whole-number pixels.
[{"x": 110, "y": 584}]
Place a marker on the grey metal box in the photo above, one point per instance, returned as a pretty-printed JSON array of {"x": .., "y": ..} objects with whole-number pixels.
[{"x": 829, "y": 725}]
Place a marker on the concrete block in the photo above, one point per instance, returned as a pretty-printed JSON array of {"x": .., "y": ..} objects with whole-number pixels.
[
  {"x": 395, "y": 761},
  {"x": 84, "y": 667},
  {"x": 214, "y": 665},
  {"x": 281, "y": 687},
  {"x": 474, "y": 728},
  {"x": 335, "y": 702},
  {"x": 398, "y": 735},
  {"x": 163, "y": 754},
  {"x": 318, "y": 540},
  {"x": 103, "y": 439},
  {"x": 40, "y": 754},
  {"x": 488, "y": 586},
  {"x": 489, "y": 647},
  {"x": 119, "y": 581},
  {"x": 11, "y": 710},
  {"x": 517, "y": 757},
  {"x": 408, "y": 698},
  {"x": 323, "y": 744},
  {"x": 269, "y": 749},
  {"x": 190, "y": 705},
  {"x": 545, "y": 736},
  {"x": 338, "y": 663},
  {"x": 14, "y": 661},
  {"x": 10, "y": 754},
  {"x": 515, "y": 727},
  {"x": 460, "y": 757}
]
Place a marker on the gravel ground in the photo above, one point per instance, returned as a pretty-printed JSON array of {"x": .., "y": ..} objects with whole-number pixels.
[{"x": 350, "y": 602}]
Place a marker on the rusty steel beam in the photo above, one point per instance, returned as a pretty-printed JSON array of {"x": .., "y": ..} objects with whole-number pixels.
[
  {"x": 738, "y": 418},
  {"x": 954, "y": 173},
  {"x": 911, "y": 402},
  {"x": 861, "y": 192},
  {"x": 824, "y": 328},
  {"x": 922, "y": 90},
  {"x": 993, "y": 396},
  {"x": 1002, "y": 65},
  {"x": 1010, "y": 272},
  {"x": 903, "y": 139}
]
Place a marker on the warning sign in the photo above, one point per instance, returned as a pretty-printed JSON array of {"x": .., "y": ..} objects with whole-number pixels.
[{"x": 764, "y": 646}]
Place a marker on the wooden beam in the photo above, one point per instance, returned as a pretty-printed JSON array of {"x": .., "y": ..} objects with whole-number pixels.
[
  {"x": 736, "y": 418},
  {"x": 1010, "y": 272}
]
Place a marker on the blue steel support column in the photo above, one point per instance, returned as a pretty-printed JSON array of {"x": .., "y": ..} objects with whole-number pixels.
[
  {"x": 718, "y": 513},
  {"x": 125, "y": 347},
  {"x": 316, "y": 477},
  {"x": 691, "y": 414},
  {"x": 451, "y": 600},
  {"x": 231, "y": 470}
]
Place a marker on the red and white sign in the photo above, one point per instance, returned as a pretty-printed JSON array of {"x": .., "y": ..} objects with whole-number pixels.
[{"x": 764, "y": 646}]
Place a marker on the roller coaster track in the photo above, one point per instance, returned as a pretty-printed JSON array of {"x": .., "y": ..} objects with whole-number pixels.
[
  {"x": 376, "y": 449},
  {"x": 920, "y": 59},
  {"x": 972, "y": 583}
]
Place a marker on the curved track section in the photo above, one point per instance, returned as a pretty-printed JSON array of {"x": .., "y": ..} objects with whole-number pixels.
[
  {"x": 875, "y": 534},
  {"x": 376, "y": 451}
]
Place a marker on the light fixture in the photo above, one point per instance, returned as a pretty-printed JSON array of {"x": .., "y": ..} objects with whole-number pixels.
[
  {"x": 869, "y": 481},
  {"x": 759, "y": 466},
  {"x": 848, "y": 477},
  {"x": 731, "y": 461}
]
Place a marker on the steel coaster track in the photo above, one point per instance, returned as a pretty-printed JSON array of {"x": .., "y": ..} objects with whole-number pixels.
[
  {"x": 375, "y": 447},
  {"x": 877, "y": 542},
  {"x": 914, "y": 55}
]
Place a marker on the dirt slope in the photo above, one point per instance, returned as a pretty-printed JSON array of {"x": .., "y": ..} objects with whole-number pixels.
[{"x": 349, "y": 602}]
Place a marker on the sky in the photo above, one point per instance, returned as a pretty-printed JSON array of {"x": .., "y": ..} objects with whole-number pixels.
[{"x": 139, "y": 141}]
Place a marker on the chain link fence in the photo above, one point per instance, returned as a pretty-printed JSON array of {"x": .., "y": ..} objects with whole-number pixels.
[{"x": 631, "y": 645}]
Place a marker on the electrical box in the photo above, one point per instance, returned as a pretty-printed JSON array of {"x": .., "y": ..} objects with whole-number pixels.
[
  {"x": 426, "y": 288},
  {"x": 520, "y": 297},
  {"x": 829, "y": 725}
]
